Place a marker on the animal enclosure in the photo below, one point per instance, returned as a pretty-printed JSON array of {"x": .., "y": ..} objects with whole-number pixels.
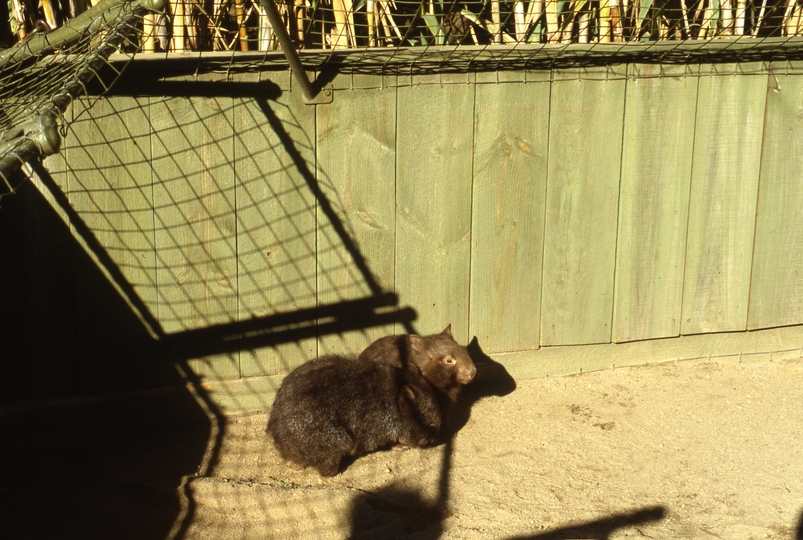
[{"x": 207, "y": 217}]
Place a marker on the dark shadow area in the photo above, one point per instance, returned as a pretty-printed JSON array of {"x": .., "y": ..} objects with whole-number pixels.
[
  {"x": 799, "y": 530},
  {"x": 83, "y": 469},
  {"x": 73, "y": 480},
  {"x": 600, "y": 529},
  {"x": 395, "y": 512},
  {"x": 74, "y": 327},
  {"x": 154, "y": 83},
  {"x": 492, "y": 379}
]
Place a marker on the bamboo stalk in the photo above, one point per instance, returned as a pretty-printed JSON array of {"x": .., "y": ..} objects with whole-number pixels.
[
  {"x": 760, "y": 17},
  {"x": 616, "y": 20},
  {"x": 385, "y": 26},
  {"x": 698, "y": 13},
  {"x": 340, "y": 36},
  {"x": 582, "y": 23},
  {"x": 350, "y": 17},
  {"x": 217, "y": 14},
  {"x": 685, "y": 18},
  {"x": 299, "y": 14},
  {"x": 568, "y": 23},
  {"x": 473, "y": 34},
  {"x": 265, "y": 31},
  {"x": 798, "y": 13},
  {"x": 387, "y": 15},
  {"x": 179, "y": 24},
  {"x": 534, "y": 10},
  {"x": 726, "y": 10},
  {"x": 741, "y": 10},
  {"x": 788, "y": 18},
  {"x": 521, "y": 27},
  {"x": 370, "y": 16},
  {"x": 708, "y": 17},
  {"x": 605, "y": 23},
  {"x": 148, "y": 39},
  {"x": 18, "y": 13},
  {"x": 552, "y": 31},
  {"x": 50, "y": 12},
  {"x": 496, "y": 19},
  {"x": 242, "y": 32},
  {"x": 191, "y": 29}
]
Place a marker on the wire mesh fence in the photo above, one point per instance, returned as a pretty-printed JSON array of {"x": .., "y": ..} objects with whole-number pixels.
[{"x": 45, "y": 70}]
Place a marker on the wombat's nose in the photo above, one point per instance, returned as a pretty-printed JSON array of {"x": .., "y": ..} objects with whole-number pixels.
[{"x": 466, "y": 375}]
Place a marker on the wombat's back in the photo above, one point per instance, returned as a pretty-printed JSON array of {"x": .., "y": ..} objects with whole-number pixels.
[{"x": 334, "y": 406}]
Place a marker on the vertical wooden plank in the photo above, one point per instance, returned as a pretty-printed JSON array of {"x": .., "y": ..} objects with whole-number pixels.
[
  {"x": 111, "y": 187},
  {"x": 727, "y": 152},
  {"x": 433, "y": 225},
  {"x": 275, "y": 153},
  {"x": 654, "y": 202},
  {"x": 193, "y": 152},
  {"x": 510, "y": 171},
  {"x": 585, "y": 145},
  {"x": 115, "y": 274},
  {"x": 356, "y": 150},
  {"x": 776, "y": 292}
]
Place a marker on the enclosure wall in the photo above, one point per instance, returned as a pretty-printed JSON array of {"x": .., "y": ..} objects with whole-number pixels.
[{"x": 220, "y": 224}]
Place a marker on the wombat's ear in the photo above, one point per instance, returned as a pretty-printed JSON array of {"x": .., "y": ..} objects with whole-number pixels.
[
  {"x": 416, "y": 342},
  {"x": 448, "y": 330}
]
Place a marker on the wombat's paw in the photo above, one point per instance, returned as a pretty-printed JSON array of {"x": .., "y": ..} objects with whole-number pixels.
[
  {"x": 400, "y": 447},
  {"x": 294, "y": 466},
  {"x": 328, "y": 470}
]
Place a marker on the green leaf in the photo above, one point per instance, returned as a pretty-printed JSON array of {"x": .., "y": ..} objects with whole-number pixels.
[{"x": 435, "y": 28}]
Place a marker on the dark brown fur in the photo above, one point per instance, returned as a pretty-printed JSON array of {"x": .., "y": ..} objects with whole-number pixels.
[
  {"x": 443, "y": 362},
  {"x": 333, "y": 407}
]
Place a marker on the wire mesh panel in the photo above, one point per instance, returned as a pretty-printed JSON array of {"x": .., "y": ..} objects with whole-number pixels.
[{"x": 45, "y": 71}]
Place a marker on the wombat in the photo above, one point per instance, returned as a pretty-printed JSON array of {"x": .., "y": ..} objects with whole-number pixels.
[
  {"x": 443, "y": 362},
  {"x": 335, "y": 406}
]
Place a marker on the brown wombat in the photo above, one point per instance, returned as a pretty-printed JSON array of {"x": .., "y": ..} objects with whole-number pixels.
[
  {"x": 334, "y": 406},
  {"x": 443, "y": 362}
]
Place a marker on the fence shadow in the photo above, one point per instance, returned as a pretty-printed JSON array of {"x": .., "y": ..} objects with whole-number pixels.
[
  {"x": 396, "y": 512},
  {"x": 600, "y": 529},
  {"x": 123, "y": 274},
  {"x": 492, "y": 380}
]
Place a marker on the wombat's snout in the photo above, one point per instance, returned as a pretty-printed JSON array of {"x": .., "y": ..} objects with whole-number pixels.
[{"x": 466, "y": 374}]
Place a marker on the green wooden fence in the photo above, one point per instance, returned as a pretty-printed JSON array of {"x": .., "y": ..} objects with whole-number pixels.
[{"x": 533, "y": 210}]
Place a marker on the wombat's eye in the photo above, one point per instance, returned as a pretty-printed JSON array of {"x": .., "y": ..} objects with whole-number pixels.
[{"x": 448, "y": 360}]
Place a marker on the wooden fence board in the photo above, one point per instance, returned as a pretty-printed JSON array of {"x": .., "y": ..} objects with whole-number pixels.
[
  {"x": 111, "y": 188},
  {"x": 510, "y": 166},
  {"x": 193, "y": 152},
  {"x": 585, "y": 145},
  {"x": 654, "y": 203},
  {"x": 433, "y": 226},
  {"x": 776, "y": 292},
  {"x": 274, "y": 150},
  {"x": 356, "y": 149},
  {"x": 115, "y": 267},
  {"x": 727, "y": 152}
]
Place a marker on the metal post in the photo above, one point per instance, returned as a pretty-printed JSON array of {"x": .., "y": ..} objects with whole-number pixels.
[{"x": 288, "y": 48}]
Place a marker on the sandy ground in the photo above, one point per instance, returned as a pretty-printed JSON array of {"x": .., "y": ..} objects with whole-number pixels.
[{"x": 682, "y": 450}]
